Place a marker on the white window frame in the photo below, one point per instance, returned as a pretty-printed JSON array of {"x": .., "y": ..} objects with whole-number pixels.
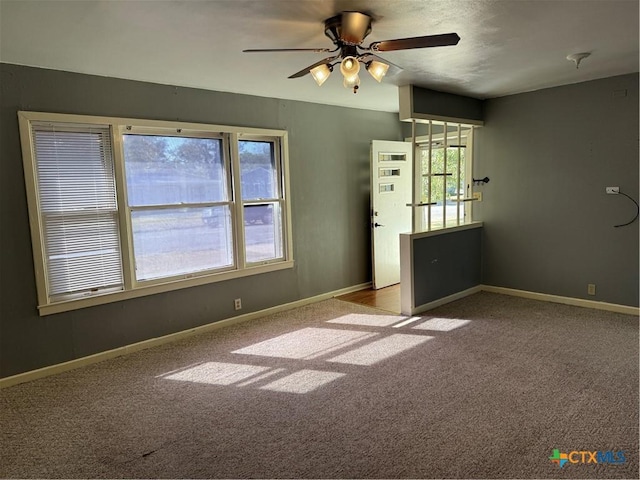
[
  {"x": 126, "y": 226},
  {"x": 281, "y": 199},
  {"x": 133, "y": 289},
  {"x": 423, "y": 210}
]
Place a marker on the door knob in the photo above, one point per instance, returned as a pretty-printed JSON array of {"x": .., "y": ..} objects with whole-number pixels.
[{"x": 376, "y": 225}]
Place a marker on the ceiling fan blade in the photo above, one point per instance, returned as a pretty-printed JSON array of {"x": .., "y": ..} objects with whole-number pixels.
[
  {"x": 355, "y": 27},
  {"x": 443, "y": 40},
  {"x": 262, "y": 50},
  {"x": 306, "y": 70}
]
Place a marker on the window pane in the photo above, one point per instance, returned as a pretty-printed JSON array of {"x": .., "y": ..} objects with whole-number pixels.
[
  {"x": 173, "y": 170},
  {"x": 258, "y": 170},
  {"x": 178, "y": 241},
  {"x": 263, "y": 232},
  {"x": 83, "y": 252},
  {"x": 75, "y": 170},
  {"x": 77, "y": 193}
]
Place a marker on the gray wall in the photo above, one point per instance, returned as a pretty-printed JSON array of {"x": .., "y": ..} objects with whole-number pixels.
[
  {"x": 432, "y": 102},
  {"x": 329, "y": 165},
  {"x": 445, "y": 264},
  {"x": 548, "y": 224}
]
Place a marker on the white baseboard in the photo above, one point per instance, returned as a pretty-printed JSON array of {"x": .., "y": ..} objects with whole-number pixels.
[
  {"x": 578, "y": 302},
  {"x": 154, "y": 342},
  {"x": 355, "y": 288},
  {"x": 443, "y": 301}
]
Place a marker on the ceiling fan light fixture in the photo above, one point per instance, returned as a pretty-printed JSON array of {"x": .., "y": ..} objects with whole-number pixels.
[
  {"x": 377, "y": 69},
  {"x": 349, "y": 67},
  {"x": 352, "y": 82},
  {"x": 347, "y": 30},
  {"x": 321, "y": 73}
]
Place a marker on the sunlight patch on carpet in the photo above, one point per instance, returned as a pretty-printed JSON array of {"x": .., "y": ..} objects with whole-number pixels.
[
  {"x": 368, "y": 320},
  {"x": 259, "y": 378},
  {"x": 307, "y": 343},
  {"x": 216, "y": 373},
  {"x": 442, "y": 324},
  {"x": 382, "y": 349},
  {"x": 303, "y": 381},
  {"x": 238, "y": 375},
  {"x": 407, "y": 322}
]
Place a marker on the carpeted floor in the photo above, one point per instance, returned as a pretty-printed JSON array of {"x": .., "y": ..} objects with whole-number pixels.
[{"x": 485, "y": 387}]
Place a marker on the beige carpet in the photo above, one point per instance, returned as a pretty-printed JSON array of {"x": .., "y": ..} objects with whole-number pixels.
[{"x": 486, "y": 387}]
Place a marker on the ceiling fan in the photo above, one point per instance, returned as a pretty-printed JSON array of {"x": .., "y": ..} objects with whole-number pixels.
[{"x": 347, "y": 31}]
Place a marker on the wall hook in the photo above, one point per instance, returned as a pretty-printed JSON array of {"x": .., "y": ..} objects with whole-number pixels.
[{"x": 480, "y": 181}]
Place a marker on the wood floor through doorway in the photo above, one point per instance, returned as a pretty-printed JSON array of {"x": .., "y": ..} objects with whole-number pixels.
[{"x": 387, "y": 298}]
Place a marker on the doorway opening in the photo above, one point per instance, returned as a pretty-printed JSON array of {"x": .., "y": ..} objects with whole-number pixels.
[{"x": 387, "y": 298}]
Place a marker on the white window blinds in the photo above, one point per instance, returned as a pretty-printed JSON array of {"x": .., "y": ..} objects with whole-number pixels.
[{"x": 78, "y": 207}]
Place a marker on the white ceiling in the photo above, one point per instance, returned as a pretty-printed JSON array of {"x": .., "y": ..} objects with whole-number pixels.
[{"x": 506, "y": 46}]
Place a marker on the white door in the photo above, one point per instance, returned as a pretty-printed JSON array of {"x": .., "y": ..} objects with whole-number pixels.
[{"x": 390, "y": 215}]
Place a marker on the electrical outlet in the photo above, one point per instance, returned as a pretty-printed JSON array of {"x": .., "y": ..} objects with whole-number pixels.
[
  {"x": 477, "y": 196},
  {"x": 237, "y": 303},
  {"x": 591, "y": 289},
  {"x": 612, "y": 190}
]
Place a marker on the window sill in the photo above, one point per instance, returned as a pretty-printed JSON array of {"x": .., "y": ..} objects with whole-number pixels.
[
  {"x": 445, "y": 230},
  {"x": 104, "y": 298}
]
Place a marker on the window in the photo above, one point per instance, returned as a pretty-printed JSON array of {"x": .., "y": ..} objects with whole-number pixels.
[
  {"x": 78, "y": 208},
  {"x": 176, "y": 186},
  {"x": 122, "y": 208},
  {"x": 262, "y": 200}
]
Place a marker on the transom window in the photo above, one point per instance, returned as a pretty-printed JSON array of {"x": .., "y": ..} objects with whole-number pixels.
[{"x": 122, "y": 208}]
